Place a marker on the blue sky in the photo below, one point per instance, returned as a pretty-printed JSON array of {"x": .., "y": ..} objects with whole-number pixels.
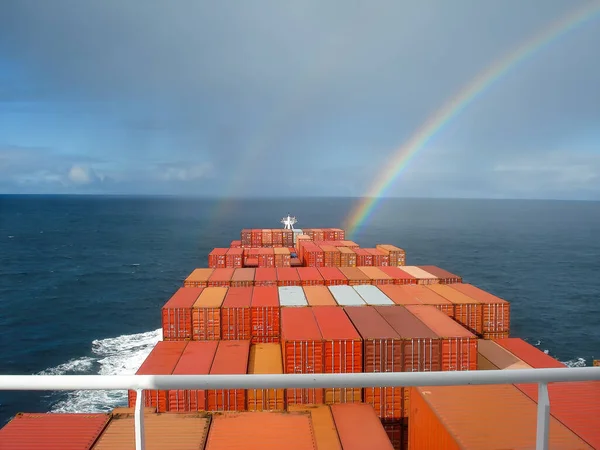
[{"x": 305, "y": 98}]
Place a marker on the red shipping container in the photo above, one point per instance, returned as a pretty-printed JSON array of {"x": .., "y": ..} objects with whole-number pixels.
[
  {"x": 235, "y": 314},
  {"x": 428, "y": 297},
  {"x": 282, "y": 257},
  {"x": 177, "y": 314},
  {"x": 267, "y": 238},
  {"x": 496, "y": 311},
  {"x": 332, "y": 276},
  {"x": 220, "y": 277},
  {"x": 382, "y": 352},
  {"x": 310, "y": 276},
  {"x": 331, "y": 255},
  {"x": 312, "y": 255},
  {"x": 264, "y": 311},
  {"x": 231, "y": 358},
  {"x": 467, "y": 311},
  {"x": 397, "y": 256},
  {"x": 288, "y": 238},
  {"x": 216, "y": 258},
  {"x": 161, "y": 361},
  {"x": 206, "y": 314},
  {"x": 265, "y": 276},
  {"x": 399, "y": 276},
  {"x": 278, "y": 238},
  {"x": 380, "y": 258},
  {"x": 347, "y": 257},
  {"x": 444, "y": 276},
  {"x": 251, "y": 262},
  {"x": 376, "y": 275},
  {"x": 343, "y": 351},
  {"x": 400, "y": 296},
  {"x": 459, "y": 346},
  {"x": 196, "y": 359},
  {"x": 243, "y": 277},
  {"x": 198, "y": 278},
  {"x": 234, "y": 257},
  {"x": 235, "y": 244},
  {"x": 256, "y": 238},
  {"x": 246, "y": 238},
  {"x": 47, "y": 431},
  {"x": 359, "y": 428},
  {"x": 266, "y": 257},
  {"x": 287, "y": 276},
  {"x": 302, "y": 348}
]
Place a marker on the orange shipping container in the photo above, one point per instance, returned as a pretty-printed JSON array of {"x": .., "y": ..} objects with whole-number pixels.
[
  {"x": 231, "y": 358},
  {"x": 467, "y": 311},
  {"x": 479, "y": 417},
  {"x": 264, "y": 309},
  {"x": 429, "y": 297},
  {"x": 206, "y": 314},
  {"x": 530, "y": 354},
  {"x": 376, "y": 276},
  {"x": 397, "y": 256},
  {"x": 235, "y": 314},
  {"x": 496, "y": 311},
  {"x": 234, "y": 257},
  {"x": 235, "y": 244},
  {"x": 310, "y": 276},
  {"x": 216, "y": 258},
  {"x": 265, "y": 359},
  {"x": 347, "y": 257},
  {"x": 246, "y": 238},
  {"x": 359, "y": 428},
  {"x": 332, "y": 276},
  {"x": 266, "y": 257},
  {"x": 399, "y": 295},
  {"x": 302, "y": 348},
  {"x": 282, "y": 257},
  {"x": 265, "y": 276},
  {"x": 267, "y": 237},
  {"x": 287, "y": 276},
  {"x": 399, "y": 276},
  {"x": 261, "y": 431},
  {"x": 326, "y": 435},
  {"x": 355, "y": 276},
  {"x": 243, "y": 277},
  {"x": 161, "y": 361},
  {"x": 196, "y": 359},
  {"x": 491, "y": 356},
  {"x": 162, "y": 431},
  {"x": 277, "y": 238},
  {"x": 220, "y": 277},
  {"x": 318, "y": 296},
  {"x": 198, "y": 278},
  {"x": 331, "y": 256},
  {"x": 177, "y": 314},
  {"x": 363, "y": 257},
  {"x": 342, "y": 349},
  {"x": 380, "y": 258},
  {"x": 256, "y": 238}
]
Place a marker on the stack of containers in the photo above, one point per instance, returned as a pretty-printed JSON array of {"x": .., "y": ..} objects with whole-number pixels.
[
  {"x": 250, "y": 257},
  {"x": 216, "y": 258},
  {"x": 399, "y": 276},
  {"x": 347, "y": 257},
  {"x": 161, "y": 361},
  {"x": 355, "y": 276},
  {"x": 444, "y": 276},
  {"x": 288, "y": 238},
  {"x": 495, "y": 311},
  {"x": 243, "y": 277},
  {"x": 312, "y": 255},
  {"x": 302, "y": 348},
  {"x": 206, "y": 314},
  {"x": 265, "y": 359},
  {"x": 346, "y": 296},
  {"x": 397, "y": 256},
  {"x": 380, "y": 258},
  {"x": 332, "y": 276},
  {"x": 363, "y": 257},
  {"x": 198, "y": 278},
  {"x": 376, "y": 275},
  {"x": 266, "y": 257},
  {"x": 265, "y": 277},
  {"x": 331, "y": 256},
  {"x": 287, "y": 276},
  {"x": 246, "y": 238},
  {"x": 196, "y": 359},
  {"x": 236, "y": 244},
  {"x": 428, "y": 297},
  {"x": 177, "y": 314},
  {"x": 264, "y": 311},
  {"x": 235, "y": 314},
  {"x": 310, "y": 276},
  {"x": 220, "y": 277},
  {"x": 231, "y": 358},
  {"x": 421, "y": 276},
  {"x": 282, "y": 257},
  {"x": 256, "y": 238},
  {"x": 267, "y": 237},
  {"x": 467, "y": 311},
  {"x": 277, "y": 238},
  {"x": 400, "y": 297},
  {"x": 234, "y": 257},
  {"x": 342, "y": 349},
  {"x": 350, "y": 244},
  {"x": 318, "y": 296}
]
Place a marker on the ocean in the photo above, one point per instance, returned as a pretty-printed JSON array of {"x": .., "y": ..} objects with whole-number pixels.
[{"x": 82, "y": 279}]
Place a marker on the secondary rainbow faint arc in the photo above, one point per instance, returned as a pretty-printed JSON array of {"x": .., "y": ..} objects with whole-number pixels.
[{"x": 457, "y": 104}]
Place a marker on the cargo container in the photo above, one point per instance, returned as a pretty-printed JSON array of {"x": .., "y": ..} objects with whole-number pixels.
[
  {"x": 318, "y": 296},
  {"x": 235, "y": 314},
  {"x": 376, "y": 276},
  {"x": 428, "y": 297},
  {"x": 459, "y": 346},
  {"x": 332, "y": 276},
  {"x": 231, "y": 358},
  {"x": 398, "y": 275},
  {"x": 266, "y": 257},
  {"x": 220, "y": 278},
  {"x": 346, "y": 296},
  {"x": 444, "y": 276},
  {"x": 243, "y": 277},
  {"x": 347, "y": 257},
  {"x": 302, "y": 348},
  {"x": 246, "y": 238},
  {"x": 287, "y": 276},
  {"x": 264, "y": 309},
  {"x": 267, "y": 237},
  {"x": 265, "y": 359},
  {"x": 162, "y": 431},
  {"x": 372, "y": 295},
  {"x": 359, "y": 428},
  {"x": 161, "y": 361},
  {"x": 312, "y": 255},
  {"x": 382, "y": 351},
  {"x": 261, "y": 431},
  {"x": 491, "y": 356},
  {"x": 342, "y": 351},
  {"x": 206, "y": 314},
  {"x": 496, "y": 311},
  {"x": 48, "y": 431},
  {"x": 355, "y": 276},
  {"x": 288, "y": 238},
  {"x": 310, "y": 276},
  {"x": 397, "y": 432},
  {"x": 198, "y": 278},
  {"x": 282, "y": 257},
  {"x": 235, "y": 244},
  {"x": 530, "y": 354},
  {"x": 401, "y": 296},
  {"x": 177, "y": 314},
  {"x": 467, "y": 311},
  {"x": 196, "y": 359},
  {"x": 292, "y": 296},
  {"x": 265, "y": 277},
  {"x": 380, "y": 258},
  {"x": 331, "y": 256},
  {"x": 256, "y": 238},
  {"x": 363, "y": 257},
  {"x": 216, "y": 258},
  {"x": 397, "y": 256},
  {"x": 234, "y": 257},
  {"x": 277, "y": 238},
  {"x": 421, "y": 276},
  {"x": 326, "y": 435},
  {"x": 479, "y": 417}
]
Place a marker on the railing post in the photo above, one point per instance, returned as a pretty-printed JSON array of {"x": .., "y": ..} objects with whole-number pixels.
[
  {"x": 139, "y": 421},
  {"x": 543, "y": 417}
]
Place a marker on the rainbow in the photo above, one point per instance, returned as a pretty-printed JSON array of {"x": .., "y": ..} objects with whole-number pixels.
[{"x": 456, "y": 105}]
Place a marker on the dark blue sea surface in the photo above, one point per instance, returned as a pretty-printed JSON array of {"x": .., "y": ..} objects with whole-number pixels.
[{"x": 82, "y": 279}]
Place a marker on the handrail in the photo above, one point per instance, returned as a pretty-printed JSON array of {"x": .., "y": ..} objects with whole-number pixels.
[{"x": 290, "y": 381}]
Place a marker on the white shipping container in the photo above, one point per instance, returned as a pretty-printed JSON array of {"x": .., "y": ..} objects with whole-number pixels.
[
  {"x": 420, "y": 273},
  {"x": 346, "y": 296},
  {"x": 372, "y": 295},
  {"x": 292, "y": 296}
]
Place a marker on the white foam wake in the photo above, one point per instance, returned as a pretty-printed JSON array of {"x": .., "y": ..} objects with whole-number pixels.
[
  {"x": 121, "y": 355},
  {"x": 575, "y": 362}
]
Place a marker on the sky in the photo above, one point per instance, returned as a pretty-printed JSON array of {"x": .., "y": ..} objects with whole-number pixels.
[{"x": 311, "y": 98}]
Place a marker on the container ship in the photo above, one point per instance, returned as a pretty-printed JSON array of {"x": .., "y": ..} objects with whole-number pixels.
[{"x": 308, "y": 301}]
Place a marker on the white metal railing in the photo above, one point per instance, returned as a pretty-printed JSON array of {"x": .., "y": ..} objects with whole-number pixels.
[{"x": 290, "y": 381}]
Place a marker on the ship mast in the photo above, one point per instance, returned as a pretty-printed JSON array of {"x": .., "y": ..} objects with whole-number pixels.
[{"x": 288, "y": 222}]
